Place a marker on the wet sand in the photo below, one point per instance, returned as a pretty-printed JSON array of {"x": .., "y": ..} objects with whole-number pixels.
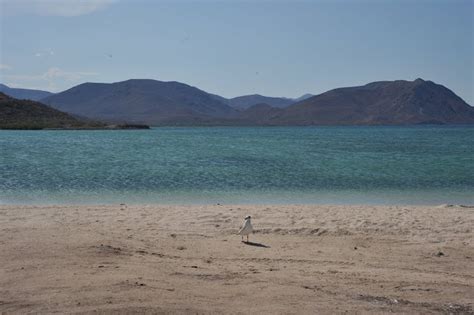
[{"x": 188, "y": 259}]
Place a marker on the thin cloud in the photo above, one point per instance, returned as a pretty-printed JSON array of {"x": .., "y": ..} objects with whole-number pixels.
[
  {"x": 53, "y": 7},
  {"x": 4, "y": 67},
  {"x": 53, "y": 73},
  {"x": 48, "y": 80},
  {"x": 47, "y": 52}
]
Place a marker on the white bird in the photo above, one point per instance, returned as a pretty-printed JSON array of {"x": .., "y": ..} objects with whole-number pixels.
[{"x": 246, "y": 228}]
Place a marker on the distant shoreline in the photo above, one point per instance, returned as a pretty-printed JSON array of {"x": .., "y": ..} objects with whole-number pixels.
[
  {"x": 309, "y": 126},
  {"x": 109, "y": 127},
  {"x": 146, "y": 127}
]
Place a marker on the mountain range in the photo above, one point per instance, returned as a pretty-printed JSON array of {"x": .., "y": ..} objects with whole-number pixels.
[
  {"x": 239, "y": 102},
  {"x": 173, "y": 103}
]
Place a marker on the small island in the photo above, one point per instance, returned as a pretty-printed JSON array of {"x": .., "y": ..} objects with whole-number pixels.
[{"x": 18, "y": 114}]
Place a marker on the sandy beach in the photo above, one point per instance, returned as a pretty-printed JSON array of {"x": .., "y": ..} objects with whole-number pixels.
[{"x": 188, "y": 259}]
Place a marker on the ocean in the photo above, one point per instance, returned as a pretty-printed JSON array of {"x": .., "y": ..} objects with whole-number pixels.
[{"x": 274, "y": 165}]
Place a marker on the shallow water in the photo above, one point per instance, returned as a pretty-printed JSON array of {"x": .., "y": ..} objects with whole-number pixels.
[{"x": 373, "y": 165}]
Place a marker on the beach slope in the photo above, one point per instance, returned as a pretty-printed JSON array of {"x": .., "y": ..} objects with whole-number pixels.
[{"x": 120, "y": 259}]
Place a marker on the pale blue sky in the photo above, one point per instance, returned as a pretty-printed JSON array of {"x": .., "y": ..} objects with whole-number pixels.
[{"x": 233, "y": 48}]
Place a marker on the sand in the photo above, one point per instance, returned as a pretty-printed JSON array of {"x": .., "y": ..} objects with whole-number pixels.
[{"x": 120, "y": 259}]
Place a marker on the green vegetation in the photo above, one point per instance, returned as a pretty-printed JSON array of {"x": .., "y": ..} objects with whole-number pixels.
[{"x": 30, "y": 115}]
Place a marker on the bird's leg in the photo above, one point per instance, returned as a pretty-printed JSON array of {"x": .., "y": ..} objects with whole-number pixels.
[
  {"x": 247, "y": 238},
  {"x": 242, "y": 238}
]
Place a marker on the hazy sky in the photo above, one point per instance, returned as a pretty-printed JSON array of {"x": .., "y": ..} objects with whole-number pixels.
[{"x": 233, "y": 48}]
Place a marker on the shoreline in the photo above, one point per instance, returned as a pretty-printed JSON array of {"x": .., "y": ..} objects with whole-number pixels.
[
  {"x": 212, "y": 204},
  {"x": 187, "y": 258},
  {"x": 234, "y": 204}
]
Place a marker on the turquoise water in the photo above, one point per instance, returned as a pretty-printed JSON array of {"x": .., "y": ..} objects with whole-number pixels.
[{"x": 368, "y": 165}]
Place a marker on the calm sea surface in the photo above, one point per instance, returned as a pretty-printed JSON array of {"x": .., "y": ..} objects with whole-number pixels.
[{"x": 365, "y": 165}]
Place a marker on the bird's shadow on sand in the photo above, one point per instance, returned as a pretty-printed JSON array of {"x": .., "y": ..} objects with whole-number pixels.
[{"x": 256, "y": 244}]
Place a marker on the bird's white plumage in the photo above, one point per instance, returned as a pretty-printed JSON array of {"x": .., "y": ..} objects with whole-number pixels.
[{"x": 246, "y": 228}]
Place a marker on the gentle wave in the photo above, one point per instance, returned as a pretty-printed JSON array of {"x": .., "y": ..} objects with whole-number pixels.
[{"x": 409, "y": 165}]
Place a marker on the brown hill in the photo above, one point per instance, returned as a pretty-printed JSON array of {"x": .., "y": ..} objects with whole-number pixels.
[
  {"x": 143, "y": 101},
  {"x": 380, "y": 103}
]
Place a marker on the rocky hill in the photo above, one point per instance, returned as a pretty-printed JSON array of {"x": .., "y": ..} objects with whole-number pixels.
[
  {"x": 142, "y": 101},
  {"x": 380, "y": 103}
]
